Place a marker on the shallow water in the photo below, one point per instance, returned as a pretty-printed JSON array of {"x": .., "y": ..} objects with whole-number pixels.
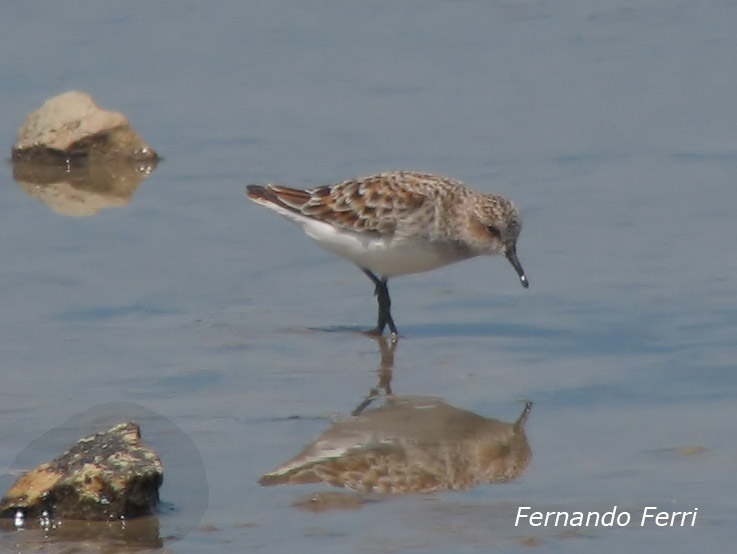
[{"x": 610, "y": 125}]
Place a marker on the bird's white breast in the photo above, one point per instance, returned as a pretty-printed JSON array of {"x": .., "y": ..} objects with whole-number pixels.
[{"x": 384, "y": 256}]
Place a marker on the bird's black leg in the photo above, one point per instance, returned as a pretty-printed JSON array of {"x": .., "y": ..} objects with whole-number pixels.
[{"x": 382, "y": 296}]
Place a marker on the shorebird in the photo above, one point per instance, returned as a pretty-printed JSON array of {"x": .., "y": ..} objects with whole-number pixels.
[{"x": 400, "y": 222}]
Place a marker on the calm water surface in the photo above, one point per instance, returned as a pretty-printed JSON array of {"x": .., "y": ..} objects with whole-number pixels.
[{"x": 218, "y": 326}]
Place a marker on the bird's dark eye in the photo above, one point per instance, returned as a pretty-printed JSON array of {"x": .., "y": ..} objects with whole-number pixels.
[{"x": 494, "y": 230}]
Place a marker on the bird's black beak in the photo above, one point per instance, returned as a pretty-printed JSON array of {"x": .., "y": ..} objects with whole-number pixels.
[{"x": 512, "y": 257}]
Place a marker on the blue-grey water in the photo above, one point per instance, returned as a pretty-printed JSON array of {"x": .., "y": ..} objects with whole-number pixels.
[{"x": 611, "y": 124}]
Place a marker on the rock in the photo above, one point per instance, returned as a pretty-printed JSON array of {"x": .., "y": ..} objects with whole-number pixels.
[
  {"x": 82, "y": 188},
  {"x": 71, "y": 125},
  {"x": 106, "y": 476},
  {"x": 411, "y": 444}
]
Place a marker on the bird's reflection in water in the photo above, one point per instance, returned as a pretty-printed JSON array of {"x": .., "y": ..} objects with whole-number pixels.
[{"x": 409, "y": 444}]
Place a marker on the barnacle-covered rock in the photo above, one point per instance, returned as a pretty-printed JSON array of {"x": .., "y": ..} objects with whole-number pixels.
[{"x": 105, "y": 476}]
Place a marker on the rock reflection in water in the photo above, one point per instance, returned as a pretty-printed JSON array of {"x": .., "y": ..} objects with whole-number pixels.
[
  {"x": 82, "y": 188},
  {"x": 93, "y": 536},
  {"x": 410, "y": 444}
]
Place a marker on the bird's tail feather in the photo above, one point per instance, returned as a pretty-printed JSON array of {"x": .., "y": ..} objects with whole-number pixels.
[{"x": 289, "y": 198}]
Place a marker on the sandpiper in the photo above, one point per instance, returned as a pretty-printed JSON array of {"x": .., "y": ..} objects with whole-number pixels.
[{"x": 399, "y": 222}]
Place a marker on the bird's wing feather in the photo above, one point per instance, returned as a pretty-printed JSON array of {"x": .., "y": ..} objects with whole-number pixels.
[{"x": 378, "y": 203}]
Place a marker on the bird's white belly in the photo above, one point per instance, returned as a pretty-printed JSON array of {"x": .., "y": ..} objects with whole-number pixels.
[{"x": 383, "y": 256}]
